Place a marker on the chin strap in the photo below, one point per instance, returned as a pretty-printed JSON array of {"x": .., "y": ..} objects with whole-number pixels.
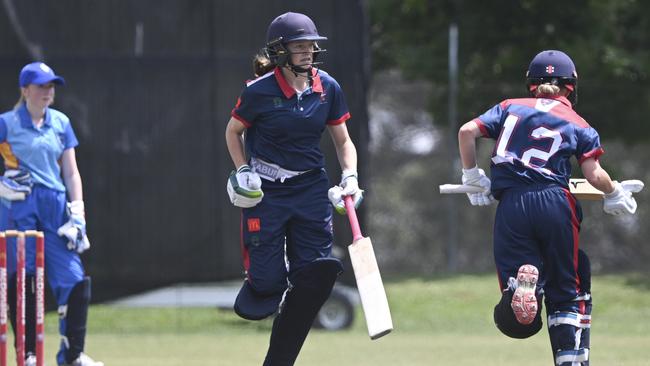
[{"x": 299, "y": 71}]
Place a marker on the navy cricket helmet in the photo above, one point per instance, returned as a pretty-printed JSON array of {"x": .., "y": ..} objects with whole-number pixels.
[
  {"x": 286, "y": 28},
  {"x": 554, "y": 67}
]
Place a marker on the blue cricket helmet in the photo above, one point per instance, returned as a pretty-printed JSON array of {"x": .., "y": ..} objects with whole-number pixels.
[
  {"x": 554, "y": 67},
  {"x": 286, "y": 28}
]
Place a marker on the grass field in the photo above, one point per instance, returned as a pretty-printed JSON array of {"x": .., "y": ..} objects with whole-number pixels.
[{"x": 444, "y": 321}]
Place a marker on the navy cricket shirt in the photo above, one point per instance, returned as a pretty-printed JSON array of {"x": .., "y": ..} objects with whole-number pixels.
[{"x": 284, "y": 128}]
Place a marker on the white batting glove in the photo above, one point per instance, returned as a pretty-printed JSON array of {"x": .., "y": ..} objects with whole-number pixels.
[
  {"x": 477, "y": 177},
  {"x": 349, "y": 186},
  {"x": 620, "y": 201},
  {"x": 75, "y": 229},
  {"x": 244, "y": 187}
]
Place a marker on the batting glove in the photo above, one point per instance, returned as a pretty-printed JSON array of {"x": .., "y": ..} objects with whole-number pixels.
[
  {"x": 244, "y": 187},
  {"x": 620, "y": 201},
  {"x": 75, "y": 229},
  {"x": 477, "y": 177},
  {"x": 349, "y": 186},
  {"x": 15, "y": 184}
]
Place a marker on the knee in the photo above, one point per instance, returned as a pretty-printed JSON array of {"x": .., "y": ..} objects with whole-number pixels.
[
  {"x": 318, "y": 274},
  {"x": 267, "y": 283}
]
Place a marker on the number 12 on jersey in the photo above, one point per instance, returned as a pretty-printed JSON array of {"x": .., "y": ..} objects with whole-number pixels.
[{"x": 503, "y": 155}]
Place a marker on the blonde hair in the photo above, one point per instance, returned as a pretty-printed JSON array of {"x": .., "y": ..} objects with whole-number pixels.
[
  {"x": 262, "y": 65},
  {"x": 20, "y": 101},
  {"x": 547, "y": 89}
]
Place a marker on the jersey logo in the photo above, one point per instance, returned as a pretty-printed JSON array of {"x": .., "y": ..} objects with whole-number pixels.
[
  {"x": 545, "y": 105},
  {"x": 277, "y": 102},
  {"x": 323, "y": 99},
  {"x": 254, "y": 224}
]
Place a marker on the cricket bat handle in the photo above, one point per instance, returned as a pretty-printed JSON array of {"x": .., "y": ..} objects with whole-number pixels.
[
  {"x": 352, "y": 216},
  {"x": 459, "y": 188}
]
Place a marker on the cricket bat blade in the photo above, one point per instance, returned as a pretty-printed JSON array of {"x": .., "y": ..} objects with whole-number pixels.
[{"x": 371, "y": 288}]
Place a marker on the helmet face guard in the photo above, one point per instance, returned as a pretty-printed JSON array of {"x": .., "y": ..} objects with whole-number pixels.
[
  {"x": 279, "y": 54},
  {"x": 290, "y": 27},
  {"x": 553, "y": 67}
]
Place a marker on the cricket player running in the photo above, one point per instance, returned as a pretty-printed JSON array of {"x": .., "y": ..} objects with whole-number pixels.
[
  {"x": 537, "y": 220},
  {"x": 282, "y": 186},
  {"x": 37, "y": 145}
]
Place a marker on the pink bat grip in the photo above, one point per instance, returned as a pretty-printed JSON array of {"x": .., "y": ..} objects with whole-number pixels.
[{"x": 352, "y": 216}]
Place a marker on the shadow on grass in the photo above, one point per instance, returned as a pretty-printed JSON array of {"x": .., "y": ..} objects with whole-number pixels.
[{"x": 235, "y": 321}]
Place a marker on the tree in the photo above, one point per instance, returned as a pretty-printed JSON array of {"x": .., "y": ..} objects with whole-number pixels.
[{"x": 606, "y": 39}]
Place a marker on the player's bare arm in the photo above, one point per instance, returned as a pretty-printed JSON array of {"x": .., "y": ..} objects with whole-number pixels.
[
  {"x": 467, "y": 136},
  {"x": 345, "y": 149},
  {"x": 597, "y": 176},
  {"x": 235, "y": 141},
  {"x": 71, "y": 176}
]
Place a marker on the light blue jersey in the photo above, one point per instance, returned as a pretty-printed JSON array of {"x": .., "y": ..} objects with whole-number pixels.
[{"x": 38, "y": 151}]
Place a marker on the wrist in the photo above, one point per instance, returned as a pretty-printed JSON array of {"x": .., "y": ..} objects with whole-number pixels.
[
  {"x": 77, "y": 207},
  {"x": 347, "y": 173},
  {"x": 471, "y": 172},
  {"x": 618, "y": 190},
  {"x": 244, "y": 168}
]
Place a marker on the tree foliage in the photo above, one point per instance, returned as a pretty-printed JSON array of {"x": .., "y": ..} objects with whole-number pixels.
[{"x": 608, "y": 41}]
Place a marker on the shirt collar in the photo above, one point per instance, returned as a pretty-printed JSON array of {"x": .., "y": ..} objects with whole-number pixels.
[
  {"x": 288, "y": 91},
  {"x": 559, "y": 98},
  {"x": 26, "y": 119}
]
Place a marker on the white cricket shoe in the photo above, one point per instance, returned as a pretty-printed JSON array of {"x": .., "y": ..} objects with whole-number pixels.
[
  {"x": 84, "y": 360},
  {"x": 524, "y": 301},
  {"x": 30, "y": 360}
]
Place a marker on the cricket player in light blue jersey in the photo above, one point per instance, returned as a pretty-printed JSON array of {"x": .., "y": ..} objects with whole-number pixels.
[{"x": 37, "y": 144}]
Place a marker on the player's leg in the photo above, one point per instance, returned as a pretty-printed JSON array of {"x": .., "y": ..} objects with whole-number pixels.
[
  {"x": 570, "y": 322},
  {"x": 66, "y": 277},
  {"x": 518, "y": 262},
  {"x": 567, "y": 297},
  {"x": 310, "y": 288},
  {"x": 312, "y": 269},
  {"x": 263, "y": 242}
]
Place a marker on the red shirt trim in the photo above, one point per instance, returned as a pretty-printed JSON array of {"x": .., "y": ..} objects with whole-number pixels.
[{"x": 339, "y": 120}]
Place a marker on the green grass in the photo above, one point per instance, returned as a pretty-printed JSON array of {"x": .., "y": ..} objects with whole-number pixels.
[{"x": 446, "y": 321}]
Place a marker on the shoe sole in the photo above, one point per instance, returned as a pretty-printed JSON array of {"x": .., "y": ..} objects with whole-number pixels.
[{"x": 524, "y": 301}]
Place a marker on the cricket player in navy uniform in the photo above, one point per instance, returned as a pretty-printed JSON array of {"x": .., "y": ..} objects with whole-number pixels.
[
  {"x": 538, "y": 220},
  {"x": 282, "y": 186},
  {"x": 37, "y": 145}
]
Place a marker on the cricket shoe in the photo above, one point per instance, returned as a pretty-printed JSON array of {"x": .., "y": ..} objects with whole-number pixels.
[
  {"x": 524, "y": 301},
  {"x": 84, "y": 360},
  {"x": 30, "y": 360}
]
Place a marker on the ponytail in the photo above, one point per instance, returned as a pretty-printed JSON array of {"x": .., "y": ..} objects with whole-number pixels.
[
  {"x": 20, "y": 101},
  {"x": 262, "y": 65},
  {"x": 547, "y": 89}
]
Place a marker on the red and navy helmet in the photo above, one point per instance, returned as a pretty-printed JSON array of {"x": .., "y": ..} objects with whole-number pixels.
[
  {"x": 554, "y": 67},
  {"x": 286, "y": 28}
]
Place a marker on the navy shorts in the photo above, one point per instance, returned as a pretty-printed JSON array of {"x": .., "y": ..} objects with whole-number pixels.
[{"x": 295, "y": 212}]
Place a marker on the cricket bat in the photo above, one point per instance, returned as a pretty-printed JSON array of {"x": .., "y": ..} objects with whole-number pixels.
[
  {"x": 366, "y": 271},
  {"x": 580, "y": 188}
]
